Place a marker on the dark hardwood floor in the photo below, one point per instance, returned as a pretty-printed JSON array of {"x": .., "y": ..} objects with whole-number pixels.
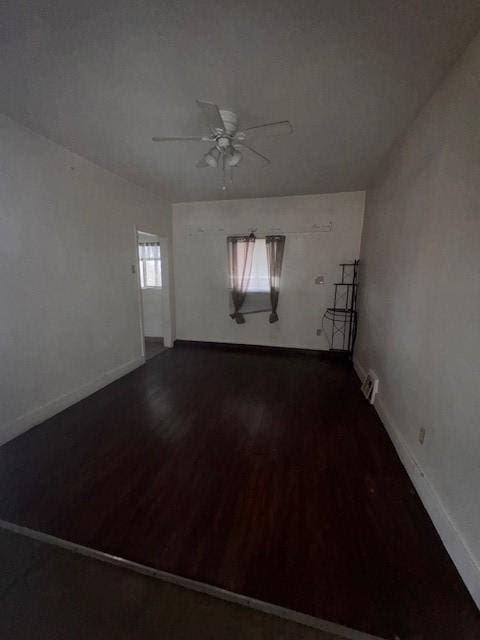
[
  {"x": 153, "y": 348},
  {"x": 264, "y": 474}
]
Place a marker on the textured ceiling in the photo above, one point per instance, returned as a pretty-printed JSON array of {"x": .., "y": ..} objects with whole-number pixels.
[{"x": 101, "y": 78}]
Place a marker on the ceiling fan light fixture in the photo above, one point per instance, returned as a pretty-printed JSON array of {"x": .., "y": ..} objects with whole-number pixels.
[
  {"x": 234, "y": 158},
  {"x": 212, "y": 157}
]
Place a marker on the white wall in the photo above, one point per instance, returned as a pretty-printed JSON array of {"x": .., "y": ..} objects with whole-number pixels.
[
  {"x": 201, "y": 275},
  {"x": 420, "y": 306},
  {"x": 69, "y": 313}
]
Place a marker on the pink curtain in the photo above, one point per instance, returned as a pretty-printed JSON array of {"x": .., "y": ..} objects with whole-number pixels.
[
  {"x": 240, "y": 254},
  {"x": 275, "y": 250}
]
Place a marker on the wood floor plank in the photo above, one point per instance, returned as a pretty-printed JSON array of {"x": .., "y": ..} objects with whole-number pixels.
[{"x": 264, "y": 474}]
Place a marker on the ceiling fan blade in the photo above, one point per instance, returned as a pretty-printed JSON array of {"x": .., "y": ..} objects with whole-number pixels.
[
  {"x": 202, "y": 164},
  {"x": 182, "y": 138},
  {"x": 256, "y": 153},
  {"x": 212, "y": 115},
  {"x": 281, "y": 128}
]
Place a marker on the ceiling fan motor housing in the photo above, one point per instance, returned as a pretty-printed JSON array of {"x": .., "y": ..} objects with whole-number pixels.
[{"x": 223, "y": 142}]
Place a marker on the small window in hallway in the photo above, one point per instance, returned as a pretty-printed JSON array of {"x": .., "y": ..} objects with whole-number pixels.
[{"x": 150, "y": 264}]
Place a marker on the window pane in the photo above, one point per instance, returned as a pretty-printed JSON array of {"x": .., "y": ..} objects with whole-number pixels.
[
  {"x": 259, "y": 273},
  {"x": 150, "y": 265},
  {"x": 153, "y": 273},
  {"x": 150, "y": 269}
]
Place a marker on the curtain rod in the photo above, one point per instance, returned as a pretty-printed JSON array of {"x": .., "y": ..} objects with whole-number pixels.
[{"x": 274, "y": 231}]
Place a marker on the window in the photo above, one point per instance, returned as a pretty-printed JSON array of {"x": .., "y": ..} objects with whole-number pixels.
[
  {"x": 259, "y": 274},
  {"x": 150, "y": 264}
]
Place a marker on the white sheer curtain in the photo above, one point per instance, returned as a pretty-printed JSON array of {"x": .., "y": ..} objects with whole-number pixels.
[{"x": 150, "y": 264}]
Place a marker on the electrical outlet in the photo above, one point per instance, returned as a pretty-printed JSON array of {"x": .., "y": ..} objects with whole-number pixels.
[
  {"x": 319, "y": 332},
  {"x": 421, "y": 435},
  {"x": 320, "y": 280},
  {"x": 134, "y": 269}
]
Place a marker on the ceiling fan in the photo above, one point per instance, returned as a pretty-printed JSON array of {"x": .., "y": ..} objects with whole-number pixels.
[{"x": 229, "y": 144}]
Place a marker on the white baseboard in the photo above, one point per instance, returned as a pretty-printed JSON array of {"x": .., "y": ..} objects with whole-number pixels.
[
  {"x": 39, "y": 414},
  {"x": 458, "y": 550},
  {"x": 236, "y": 343},
  {"x": 359, "y": 369}
]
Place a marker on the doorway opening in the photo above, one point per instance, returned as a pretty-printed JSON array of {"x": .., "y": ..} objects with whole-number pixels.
[{"x": 154, "y": 300}]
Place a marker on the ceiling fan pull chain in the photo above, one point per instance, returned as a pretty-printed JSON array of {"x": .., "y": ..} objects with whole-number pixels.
[{"x": 224, "y": 172}]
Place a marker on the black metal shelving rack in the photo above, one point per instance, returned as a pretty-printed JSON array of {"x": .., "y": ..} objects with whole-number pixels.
[{"x": 343, "y": 314}]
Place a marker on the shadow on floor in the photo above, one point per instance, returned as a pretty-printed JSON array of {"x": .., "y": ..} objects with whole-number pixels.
[
  {"x": 50, "y": 593},
  {"x": 153, "y": 348}
]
